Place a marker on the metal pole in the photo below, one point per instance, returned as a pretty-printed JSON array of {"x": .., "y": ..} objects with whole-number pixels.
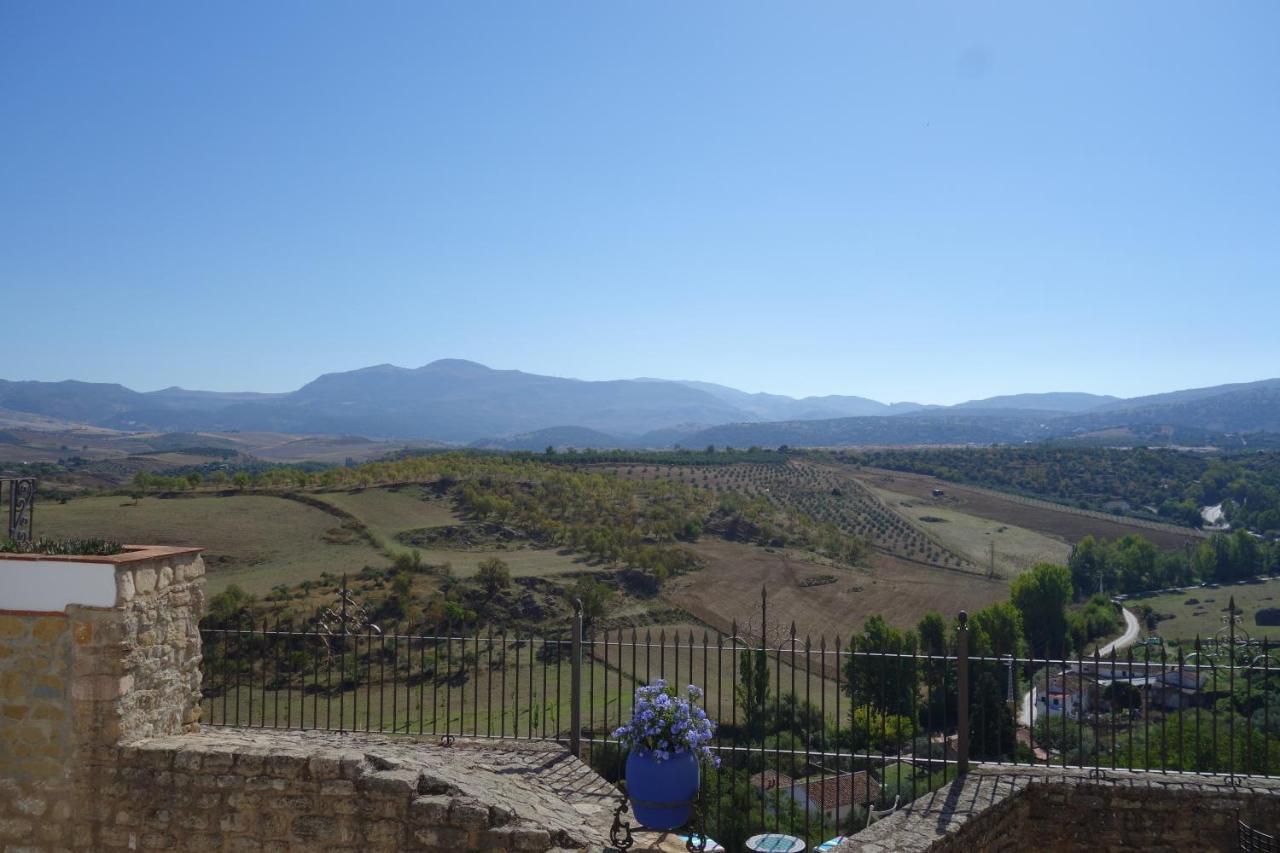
[
  {"x": 962, "y": 689},
  {"x": 575, "y": 683}
]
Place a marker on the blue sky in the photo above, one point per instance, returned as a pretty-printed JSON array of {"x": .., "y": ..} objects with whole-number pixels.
[{"x": 901, "y": 200}]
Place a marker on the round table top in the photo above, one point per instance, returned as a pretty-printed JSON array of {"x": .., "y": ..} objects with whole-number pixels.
[{"x": 773, "y": 842}]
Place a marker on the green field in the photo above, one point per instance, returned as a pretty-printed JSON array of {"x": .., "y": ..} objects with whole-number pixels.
[
  {"x": 1205, "y": 616},
  {"x": 523, "y": 561},
  {"x": 387, "y": 512},
  {"x": 255, "y": 541},
  {"x": 484, "y": 686},
  {"x": 259, "y": 541},
  {"x": 1016, "y": 548}
]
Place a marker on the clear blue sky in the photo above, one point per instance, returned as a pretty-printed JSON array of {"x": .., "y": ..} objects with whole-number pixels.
[{"x": 932, "y": 201}]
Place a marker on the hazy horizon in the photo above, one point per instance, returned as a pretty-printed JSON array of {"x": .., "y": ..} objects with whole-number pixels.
[{"x": 903, "y": 201}]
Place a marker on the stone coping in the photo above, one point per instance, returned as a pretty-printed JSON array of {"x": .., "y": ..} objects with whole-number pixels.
[
  {"x": 929, "y": 820},
  {"x": 132, "y": 554}
]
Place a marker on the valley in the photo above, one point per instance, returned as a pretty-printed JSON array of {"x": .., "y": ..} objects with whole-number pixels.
[{"x": 668, "y": 545}]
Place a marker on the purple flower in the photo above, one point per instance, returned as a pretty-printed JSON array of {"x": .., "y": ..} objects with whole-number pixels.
[{"x": 664, "y": 723}]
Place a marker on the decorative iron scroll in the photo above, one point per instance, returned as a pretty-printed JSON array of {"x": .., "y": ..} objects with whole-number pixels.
[
  {"x": 344, "y": 617},
  {"x": 620, "y": 832},
  {"x": 22, "y": 498}
]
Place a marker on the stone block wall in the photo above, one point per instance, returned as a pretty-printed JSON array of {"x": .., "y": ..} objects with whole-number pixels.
[
  {"x": 35, "y": 703},
  {"x": 1062, "y": 810},
  {"x": 159, "y": 688},
  {"x": 77, "y": 684},
  {"x": 37, "y": 740},
  {"x": 235, "y": 790}
]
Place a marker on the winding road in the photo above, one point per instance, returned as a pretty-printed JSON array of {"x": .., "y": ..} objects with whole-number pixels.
[{"x": 1132, "y": 628}]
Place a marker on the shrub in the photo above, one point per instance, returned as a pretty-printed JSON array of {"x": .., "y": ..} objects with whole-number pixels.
[
  {"x": 493, "y": 574},
  {"x": 1267, "y": 616},
  {"x": 76, "y": 547}
]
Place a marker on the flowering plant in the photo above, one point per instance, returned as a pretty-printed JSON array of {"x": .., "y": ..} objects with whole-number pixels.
[{"x": 664, "y": 723}]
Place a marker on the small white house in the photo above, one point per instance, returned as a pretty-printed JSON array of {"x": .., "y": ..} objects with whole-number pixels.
[
  {"x": 1066, "y": 695},
  {"x": 1177, "y": 689}
]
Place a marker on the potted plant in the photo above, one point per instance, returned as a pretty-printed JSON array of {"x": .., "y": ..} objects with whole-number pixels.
[{"x": 668, "y": 738}]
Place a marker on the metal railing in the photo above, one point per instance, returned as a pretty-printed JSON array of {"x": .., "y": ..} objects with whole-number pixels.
[
  {"x": 813, "y": 735},
  {"x": 20, "y": 500}
]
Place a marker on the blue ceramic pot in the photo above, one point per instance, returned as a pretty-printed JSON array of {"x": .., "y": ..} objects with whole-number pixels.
[{"x": 662, "y": 792}]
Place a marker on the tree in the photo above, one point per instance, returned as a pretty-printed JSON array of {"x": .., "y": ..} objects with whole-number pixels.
[
  {"x": 596, "y": 599},
  {"x": 1246, "y": 556},
  {"x": 242, "y": 480},
  {"x": 230, "y": 607},
  {"x": 408, "y": 562},
  {"x": 1041, "y": 596},
  {"x": 753, "y": 691},
  {"x": 494, "y": 574},
  {"x": 932, "y": 629},
  {"x": 996, "y": 629},
  {"x": 991, "y": 728},
  {"x": 1136, "y": 557},
  {"x": 939, "y": 694},
  {"x": 396, "y": 606},
  {"x": 1088, "y": 563},
  {"x": 881, "y": 678}
]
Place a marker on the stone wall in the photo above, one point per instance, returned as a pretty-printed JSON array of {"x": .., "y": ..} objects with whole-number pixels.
[
  {"x": 37, "y": 742},
  {"x": 1014, "y": 809},
  {"x": 100, "y": 749},
  {"x": 36, "y": 738},
  {"x": 77, "y": 684},
  {"x": 236, "y": 790}
]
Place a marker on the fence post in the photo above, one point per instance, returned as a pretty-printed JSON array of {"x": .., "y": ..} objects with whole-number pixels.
[
  {"x": 962, "y": 691},
  {"x": 575, "y": 683}
]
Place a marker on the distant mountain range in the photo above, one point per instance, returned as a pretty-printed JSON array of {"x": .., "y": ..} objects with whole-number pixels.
[{"x": 465, "y": 403}]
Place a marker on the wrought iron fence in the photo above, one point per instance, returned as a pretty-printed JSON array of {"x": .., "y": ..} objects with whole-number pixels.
[
  {"x": 21, "y": 499},
  {"x": 815, "y": 737}
]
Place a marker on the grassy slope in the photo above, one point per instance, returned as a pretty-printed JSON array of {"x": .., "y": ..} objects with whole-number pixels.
[
  {"x": 387, "y": 512},
  {"x": 259, "y": 541},
  {"x": 1205, "y": 617},
  {"x": 1063, "y": 522},
  {"x": 729, "y": 588},
  {"x": 1016, "y": 548},
  {"x": 255, "y": 541},
  {"x": 390, "y": 511}
]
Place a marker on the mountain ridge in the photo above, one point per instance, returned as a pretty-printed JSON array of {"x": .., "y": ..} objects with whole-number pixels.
[{"x": 467, "y": 403}]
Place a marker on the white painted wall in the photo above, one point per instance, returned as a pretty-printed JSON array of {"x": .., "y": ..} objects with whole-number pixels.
[{"x": 50, "y": 585}]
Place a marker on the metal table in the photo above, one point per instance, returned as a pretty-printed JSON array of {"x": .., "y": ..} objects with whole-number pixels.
[{"x": 773, "y": 842}]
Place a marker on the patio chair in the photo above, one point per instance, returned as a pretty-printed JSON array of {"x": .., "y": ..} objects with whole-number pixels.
[
  {"x": 1254, "y": 840},
  {"x": 874, "y": 815}
]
